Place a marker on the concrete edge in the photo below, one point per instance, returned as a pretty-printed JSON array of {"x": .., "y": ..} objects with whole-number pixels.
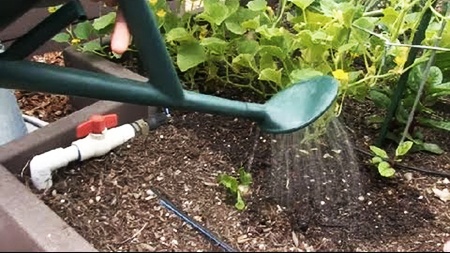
[{"x": 27, "y": 224}]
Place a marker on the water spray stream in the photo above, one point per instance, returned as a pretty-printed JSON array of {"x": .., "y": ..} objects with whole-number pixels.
[{"x": 315, "y": 174}]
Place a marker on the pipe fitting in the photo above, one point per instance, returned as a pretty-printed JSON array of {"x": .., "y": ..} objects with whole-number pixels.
[
  {"x": 141, "y": 127},
  {"x": 43, "y": 165},
  {"x": 93, "y": 145}
]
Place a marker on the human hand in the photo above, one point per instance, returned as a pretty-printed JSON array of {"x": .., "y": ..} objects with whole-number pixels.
[{"x": 120, "y": 38}]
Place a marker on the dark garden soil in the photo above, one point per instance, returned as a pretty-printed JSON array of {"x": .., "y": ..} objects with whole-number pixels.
[{"x": 110, "y": 202}]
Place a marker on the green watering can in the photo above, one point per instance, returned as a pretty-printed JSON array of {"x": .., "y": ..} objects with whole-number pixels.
[{"x": 289, "y": 110}]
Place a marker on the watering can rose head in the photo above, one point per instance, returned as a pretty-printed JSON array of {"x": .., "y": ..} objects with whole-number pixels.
[{"x": 299, "y": 105}]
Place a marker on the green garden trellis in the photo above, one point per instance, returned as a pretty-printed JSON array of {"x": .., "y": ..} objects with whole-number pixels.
[{"x": 419, "y": 36}]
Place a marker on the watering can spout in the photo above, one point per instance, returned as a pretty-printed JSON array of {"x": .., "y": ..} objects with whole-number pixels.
[
  {"x": 287, "y": 111},
  {"x": 299, "y": 105}
]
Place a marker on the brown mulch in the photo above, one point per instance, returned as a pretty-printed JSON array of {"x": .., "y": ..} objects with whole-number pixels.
[
  {"x": 109, "y": 200},
  {"x": 45, "y": 106}
]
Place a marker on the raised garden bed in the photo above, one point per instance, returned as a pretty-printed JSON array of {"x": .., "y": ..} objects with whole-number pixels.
[
  {"x": 20, "y": 210},
  {"x": 109, "y": 202}
]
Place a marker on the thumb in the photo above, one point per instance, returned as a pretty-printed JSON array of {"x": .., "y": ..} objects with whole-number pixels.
[{"x": 120, "y": 38}]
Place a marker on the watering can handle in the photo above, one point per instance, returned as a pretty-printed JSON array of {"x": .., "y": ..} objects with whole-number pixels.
[{"x": 151, "y": 47}]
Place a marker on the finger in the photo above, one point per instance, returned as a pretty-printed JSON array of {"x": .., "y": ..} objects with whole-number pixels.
[{"x": 120, "y": 38}]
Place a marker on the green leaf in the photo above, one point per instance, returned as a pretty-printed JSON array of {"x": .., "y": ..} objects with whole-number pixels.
[
  {"x": 367, "y": 23},
  {"x": 247, "y": 46},
  {"x": 298, "y": 75},
  {"x": 437, "y": 93},
  {"x": 267, "y": 61},
  {"x": 269, "y": 32},
  {"x": 171, "y": 21},
  {"x": 433, "y": 148},
  {"x": 61, "y": 38},
  {"x": 251, "y": 23},
  {"x": 83, "y": 30},
  {"x": 442, "y": 87},
  {"x": 302, "y": 4},
  {"x": 215, "y": 12},
  {"x": 234, "y": 27},
  {"x": 379, "y": 152},
  {"x": 229, "y": 182},
  {"x": 444, "y": 125},
  {"x": 272, "y": 50},
  {"x": 189, "y": 55},
  {"x": 389, "y": 18},
  {"x": 385, "y": 169},
  {"x": 214, "y": 44},
  {"x": 403, "y": 148},
  {"x": 104, "y": 21},
  {"x": 232, "y": 5},
  {"x": 245, "y": 177},
  {"x": 272, "y": 75},
  {"x": 178, "y": 34},
  {"x": 245, "y": 60},
  {"x": 376, "y": 160},
  {"x": 91, "y": 46},
  {"x": 350, "y": 12},
  {"x": 329, "y": 7},
  {"x": 380, "y": 99},
  {"x": 435, "y": 76},
  {"x": 316, "y": 20},
  {"x": 257, "y": 5}
]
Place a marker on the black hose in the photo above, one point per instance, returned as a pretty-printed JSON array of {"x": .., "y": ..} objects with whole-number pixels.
[
  {"x": 207, "y": 233},
  {"x": 156, "y": 120},
  {"x": 401, "y": 166}
]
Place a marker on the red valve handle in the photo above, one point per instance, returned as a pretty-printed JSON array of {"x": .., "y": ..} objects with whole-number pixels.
[{"x": 96, "y": 124}]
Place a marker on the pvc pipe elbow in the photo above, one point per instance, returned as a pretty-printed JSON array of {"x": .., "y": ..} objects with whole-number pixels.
[
  {"x": 42, "y": 166},
  {"x": 93, "y": 145}
]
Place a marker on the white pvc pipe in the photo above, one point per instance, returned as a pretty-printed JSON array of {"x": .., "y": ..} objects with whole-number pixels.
[
  {"x": 93, "y": 145},
  {"x": 34, "y": 121},
  {"x": 42, "y": 166}
]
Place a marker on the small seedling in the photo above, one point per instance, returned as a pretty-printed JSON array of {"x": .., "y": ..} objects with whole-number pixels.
[
  {"x": 384, "y": 163},
  {"x": 238, "y": 187}
]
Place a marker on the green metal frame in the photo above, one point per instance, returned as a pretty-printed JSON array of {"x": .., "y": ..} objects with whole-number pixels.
[
  {"x": 289, "y": 110},
  {"x": 44, "y": 31}
]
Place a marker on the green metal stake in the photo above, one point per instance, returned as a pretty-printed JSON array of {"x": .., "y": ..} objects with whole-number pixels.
[{"x": 401, "y": 86}]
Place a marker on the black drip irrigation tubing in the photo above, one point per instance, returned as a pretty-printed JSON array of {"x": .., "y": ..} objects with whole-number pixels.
[
  {"x": 164, "y": 201},
  {"x": 401, "y": 166}
]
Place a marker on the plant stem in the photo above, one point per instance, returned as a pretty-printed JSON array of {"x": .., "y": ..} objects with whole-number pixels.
[
  {"x": 352, "y": 85},
  {"x": 280, "y": 15},
  {"x": 375, "y": 13}
]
